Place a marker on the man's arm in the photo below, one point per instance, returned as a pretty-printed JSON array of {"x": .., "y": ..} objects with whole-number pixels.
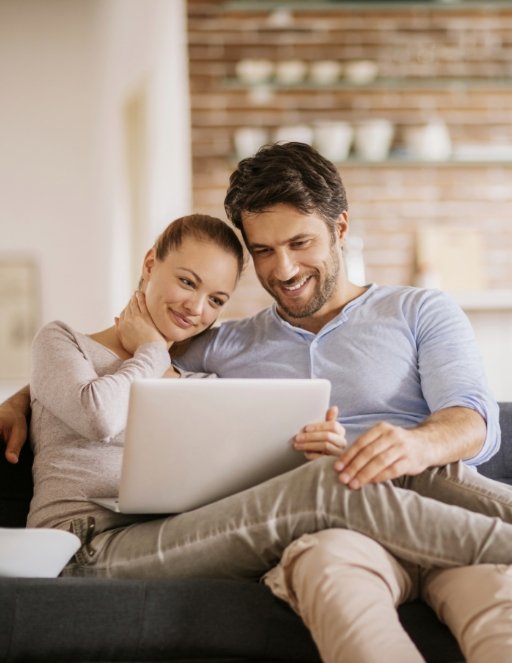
[
  {"x": 387, "y": 452},
  {"x": 13, "y": 423}
]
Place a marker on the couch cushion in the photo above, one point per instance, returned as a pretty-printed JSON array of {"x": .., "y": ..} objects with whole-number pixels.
[{"x": 98, "y": 619}]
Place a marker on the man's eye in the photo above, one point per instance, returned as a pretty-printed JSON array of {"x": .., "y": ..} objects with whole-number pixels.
[
  {"x": 260, "y": 252},
  {"x": 299, "y": 244}
]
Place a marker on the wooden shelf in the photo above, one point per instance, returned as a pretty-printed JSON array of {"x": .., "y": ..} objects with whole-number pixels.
[
  {"x": 378, "y": 84},
  {"x": 404, "y": 161},
  {"x": 400, "y": 161},
  {"x": 341, "y": 5}
]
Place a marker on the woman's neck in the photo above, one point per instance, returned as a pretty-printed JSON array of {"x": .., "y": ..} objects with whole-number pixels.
[{"x": 109, "y": 338}]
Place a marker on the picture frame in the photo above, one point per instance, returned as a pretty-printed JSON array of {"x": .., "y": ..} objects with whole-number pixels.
[{"x": 20, "y": 314}]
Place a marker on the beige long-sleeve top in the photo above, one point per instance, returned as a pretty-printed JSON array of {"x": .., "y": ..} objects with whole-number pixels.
[{"x": 79, "y": 391}]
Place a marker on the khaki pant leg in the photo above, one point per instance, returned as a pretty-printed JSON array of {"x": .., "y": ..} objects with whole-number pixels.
[
  {"x": 346, "y": 588},
  {"x": 476, "y": 604}
]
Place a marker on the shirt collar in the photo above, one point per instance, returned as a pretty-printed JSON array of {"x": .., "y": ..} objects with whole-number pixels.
[{"x": 332, "y": 324}]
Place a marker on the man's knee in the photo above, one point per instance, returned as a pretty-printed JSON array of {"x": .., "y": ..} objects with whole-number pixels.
[
  {"x": 344, "y": 549},
  {"x": 338, "y": 555},
  {"x": 469, "y": 588}
]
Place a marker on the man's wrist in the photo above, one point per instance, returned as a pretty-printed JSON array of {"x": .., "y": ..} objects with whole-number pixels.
[
  {"x": 451, "y": 434},
  {"x": 428, "y": 447}
]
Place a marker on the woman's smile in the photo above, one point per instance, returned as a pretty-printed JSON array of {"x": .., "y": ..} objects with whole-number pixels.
[{"x": 181, "y": 319}]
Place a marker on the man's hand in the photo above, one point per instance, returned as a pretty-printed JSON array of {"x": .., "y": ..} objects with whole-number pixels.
[
  {"x": 387, "y": 452},
  {"x": 13, "y": 423},
  {"x": 135, "y": 327},
  {"x": 325, "y": 438},
  {"x": 383, "y": 452}
]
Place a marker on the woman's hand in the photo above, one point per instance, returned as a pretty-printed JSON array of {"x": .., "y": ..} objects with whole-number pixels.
[
  {"x": 171, "y": 372},
  {"x": 135, "y": 327},
  {"x": 325, "y": 438}
]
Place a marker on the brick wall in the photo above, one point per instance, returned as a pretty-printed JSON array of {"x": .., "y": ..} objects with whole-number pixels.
[{"x": 451, "y": 62}]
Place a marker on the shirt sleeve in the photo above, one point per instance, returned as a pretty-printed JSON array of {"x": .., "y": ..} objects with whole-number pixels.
[
  {"x": 194, "y": 358},
  {"x": 64, "y": 380},
  {"x": 451, "y": 368}
]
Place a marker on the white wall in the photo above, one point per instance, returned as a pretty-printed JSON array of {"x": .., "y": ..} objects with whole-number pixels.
[
  {"x": 145, "y": 53},
  {"x": 67, "y": 69}
]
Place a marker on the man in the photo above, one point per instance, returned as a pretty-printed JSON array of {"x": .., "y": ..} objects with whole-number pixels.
[
  {"x": 408, "y": 383},
  {"x": 399, "y": 355}
]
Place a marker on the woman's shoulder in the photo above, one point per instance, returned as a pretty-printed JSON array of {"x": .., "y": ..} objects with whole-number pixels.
[{"x": 55, "y": 332}]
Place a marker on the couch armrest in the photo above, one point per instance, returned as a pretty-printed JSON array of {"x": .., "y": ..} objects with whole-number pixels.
[{"x": 500, "y": 465}]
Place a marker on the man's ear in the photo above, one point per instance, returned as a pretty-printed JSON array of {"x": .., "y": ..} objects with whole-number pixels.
[
  {"x": 342, "y": 227},
  {"x": 148, "y": 264}
]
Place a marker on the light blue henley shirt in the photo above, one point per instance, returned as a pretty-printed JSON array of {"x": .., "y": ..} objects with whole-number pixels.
[{"x": 393, "y": 354}]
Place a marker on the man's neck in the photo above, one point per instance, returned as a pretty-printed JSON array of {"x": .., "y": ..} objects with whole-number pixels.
[{"x": 314, "y": 323}]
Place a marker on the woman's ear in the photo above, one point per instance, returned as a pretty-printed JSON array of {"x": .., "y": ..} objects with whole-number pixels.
[{"x": 147, "y": 266}]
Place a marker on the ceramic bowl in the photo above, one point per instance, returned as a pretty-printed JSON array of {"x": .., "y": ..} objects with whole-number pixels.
[
  {"x": 361, "y": 72},
  {"x": 325, "y": 72},
  {"x": 35, "y": 552},
  {"x": 290, "y": 72},
  {"x": 248, "y": 141},
  {"x": 301, "y": 133},
  {"x": 430, "y": 142},
  {"x": 254, "y": 71},
  {"x": 373, "y": 138},
  {"x": 333, "y": 139}
]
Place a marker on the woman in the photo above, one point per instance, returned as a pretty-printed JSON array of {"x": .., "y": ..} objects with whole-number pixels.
[{"x": 80, "y": 383}]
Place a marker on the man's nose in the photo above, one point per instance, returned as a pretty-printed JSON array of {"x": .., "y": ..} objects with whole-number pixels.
[{"x": 285, "y": 267}]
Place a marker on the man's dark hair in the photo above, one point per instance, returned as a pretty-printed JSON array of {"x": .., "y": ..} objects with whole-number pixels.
[{"x": 291, "y": 173}]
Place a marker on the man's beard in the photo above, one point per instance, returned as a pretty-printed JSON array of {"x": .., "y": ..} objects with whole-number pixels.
[{"x": 322, "y": 293}]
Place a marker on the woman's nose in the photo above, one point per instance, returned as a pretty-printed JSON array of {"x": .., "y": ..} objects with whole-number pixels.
[{"x": 194, "y": 304}]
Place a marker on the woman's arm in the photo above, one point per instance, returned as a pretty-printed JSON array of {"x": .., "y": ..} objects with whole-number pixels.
[
  {"x": 66, "y": 382},
  {"x": 13, "y": 423}
]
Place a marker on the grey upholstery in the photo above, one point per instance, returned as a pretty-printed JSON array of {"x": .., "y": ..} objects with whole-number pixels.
[{"x": 500, "y": 465}]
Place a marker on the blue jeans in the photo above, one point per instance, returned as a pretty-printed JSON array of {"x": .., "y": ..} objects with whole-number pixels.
[{"x": 444, "y": 517}]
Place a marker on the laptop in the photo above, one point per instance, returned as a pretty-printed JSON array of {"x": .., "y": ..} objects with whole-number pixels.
[{"x": 189, "y": 442}]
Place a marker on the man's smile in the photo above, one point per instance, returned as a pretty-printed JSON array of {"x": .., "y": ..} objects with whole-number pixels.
[{"x": 296, "y": 287}]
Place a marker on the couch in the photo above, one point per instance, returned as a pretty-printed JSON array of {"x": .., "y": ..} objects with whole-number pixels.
[{"x": 184, "y": 621}]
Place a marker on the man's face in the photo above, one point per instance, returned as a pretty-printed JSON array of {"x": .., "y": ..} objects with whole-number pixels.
[{"x": 297, "y": 261}]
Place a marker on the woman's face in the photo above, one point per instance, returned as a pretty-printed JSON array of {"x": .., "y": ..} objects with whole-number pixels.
[{"x": 187, "y": 290}]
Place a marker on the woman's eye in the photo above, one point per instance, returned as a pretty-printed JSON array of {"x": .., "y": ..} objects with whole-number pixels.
[
  {"x": 187, "y": 282},
  {"x": 216, "y": 301}
]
